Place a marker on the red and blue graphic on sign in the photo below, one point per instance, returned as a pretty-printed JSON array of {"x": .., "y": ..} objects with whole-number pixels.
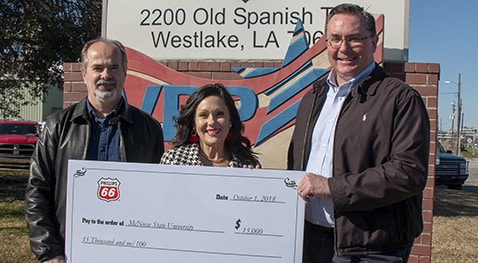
[{"x": 268, "y": 97}]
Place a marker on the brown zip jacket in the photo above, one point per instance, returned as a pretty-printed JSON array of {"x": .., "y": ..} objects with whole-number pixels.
[{"x": 380, "y": 162}]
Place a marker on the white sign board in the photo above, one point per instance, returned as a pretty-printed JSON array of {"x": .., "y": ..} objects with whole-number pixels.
[
  {"x": 130, "y": 212},
  {"x": 236, "y": 29}
]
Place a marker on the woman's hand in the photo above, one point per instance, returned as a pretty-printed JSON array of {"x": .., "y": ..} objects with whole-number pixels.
[{"x": 250, "y": 166}]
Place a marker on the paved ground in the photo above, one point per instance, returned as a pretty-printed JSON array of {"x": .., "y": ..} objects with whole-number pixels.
[{"x": 473, "y": 173}]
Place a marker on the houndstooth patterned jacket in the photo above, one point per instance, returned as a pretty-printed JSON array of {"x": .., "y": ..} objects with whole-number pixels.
[{"x": 188, "y": 154}]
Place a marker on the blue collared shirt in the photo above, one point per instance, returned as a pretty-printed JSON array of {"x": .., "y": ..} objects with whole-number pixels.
[
  {"x": 320, "y": 211},
  {"x": 104, "y": 144}
]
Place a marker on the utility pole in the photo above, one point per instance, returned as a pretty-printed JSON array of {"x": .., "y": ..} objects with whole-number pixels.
[
  {"x": 452, "y": 117},
  {"x": 458, "y": 120}
]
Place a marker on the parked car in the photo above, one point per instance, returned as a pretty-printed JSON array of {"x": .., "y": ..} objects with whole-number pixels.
[
  {"x": 17, "y": 142},
  {"x": 450, "y": 170}
]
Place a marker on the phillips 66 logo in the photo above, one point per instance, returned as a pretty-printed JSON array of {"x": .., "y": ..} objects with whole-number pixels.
[{"x": 108, "y": 189}]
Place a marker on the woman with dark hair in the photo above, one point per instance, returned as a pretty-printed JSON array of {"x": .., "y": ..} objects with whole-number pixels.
[{"x": 209, "y": 132}]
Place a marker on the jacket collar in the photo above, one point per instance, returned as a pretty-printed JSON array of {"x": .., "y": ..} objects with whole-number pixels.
[
  {"x": 126, "y": 113},
  {"x": 80, "y": 113},
  {"x": 371, "y": 83}
]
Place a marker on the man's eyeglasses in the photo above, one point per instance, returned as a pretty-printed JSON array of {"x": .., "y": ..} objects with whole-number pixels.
[{"x": 352, "y": 42}]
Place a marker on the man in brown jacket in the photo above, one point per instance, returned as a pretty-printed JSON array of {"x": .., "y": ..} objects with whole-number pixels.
[{"x": 362, "y": 137}]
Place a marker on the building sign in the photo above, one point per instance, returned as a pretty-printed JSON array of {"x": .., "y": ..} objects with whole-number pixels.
[{"x": 236, "y": 29}]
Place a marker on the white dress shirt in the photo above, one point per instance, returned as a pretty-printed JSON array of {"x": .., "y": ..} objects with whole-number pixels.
[{"x": 318, "y": 210}]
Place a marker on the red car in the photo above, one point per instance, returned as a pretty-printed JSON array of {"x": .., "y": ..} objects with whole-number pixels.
[{"x": 17, "y": 142}]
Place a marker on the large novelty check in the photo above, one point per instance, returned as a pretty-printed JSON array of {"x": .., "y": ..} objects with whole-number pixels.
[{"x": 130, "y": 212}]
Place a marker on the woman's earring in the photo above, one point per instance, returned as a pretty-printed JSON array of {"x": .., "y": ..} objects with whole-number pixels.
[
  {"x": 229, "y": 135},
  {"x": 193, "y": 137}
]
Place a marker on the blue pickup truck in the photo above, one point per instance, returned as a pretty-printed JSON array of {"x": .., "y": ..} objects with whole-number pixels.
[{"x": 450, "y": 170}]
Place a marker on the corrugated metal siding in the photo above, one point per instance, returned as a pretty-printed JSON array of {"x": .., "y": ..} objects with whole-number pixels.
[
  {"x": 31, "y": 112},
  {"x": 38, "y": 112}
]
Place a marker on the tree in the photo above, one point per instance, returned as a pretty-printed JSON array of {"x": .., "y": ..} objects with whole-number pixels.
[{"x": 36, "y": 37}]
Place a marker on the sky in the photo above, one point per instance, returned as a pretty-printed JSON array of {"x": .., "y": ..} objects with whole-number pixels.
[{"x": 445, "y": 32}]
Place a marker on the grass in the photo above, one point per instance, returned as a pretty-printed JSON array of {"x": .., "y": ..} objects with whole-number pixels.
[
  {"x": 14, "y": 247},
  {"x": 455, "y": 228},
  {"x": 455, "y": 225},
  {"x": 469, "y": 153}
]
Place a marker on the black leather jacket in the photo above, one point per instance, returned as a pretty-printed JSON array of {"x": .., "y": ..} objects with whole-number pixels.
[
  {"x": 65, "y": 136},
  {"x": 380, "y": 162}
]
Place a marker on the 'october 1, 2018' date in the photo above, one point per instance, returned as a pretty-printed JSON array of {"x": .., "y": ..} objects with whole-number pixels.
[{"x": 249, "y": 198}]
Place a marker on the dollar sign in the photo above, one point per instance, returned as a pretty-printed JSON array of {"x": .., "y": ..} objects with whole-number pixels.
[{"x": 238, "y": 223}]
